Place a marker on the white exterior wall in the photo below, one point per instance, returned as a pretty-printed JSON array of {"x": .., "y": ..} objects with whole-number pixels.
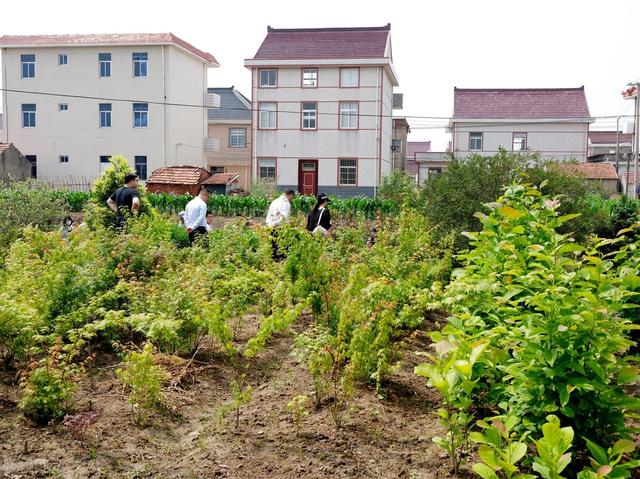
[
  {"x": 176, "y": 78},
  {"x": 289, "y": 143},
  {"x": 559, "y": 140}
]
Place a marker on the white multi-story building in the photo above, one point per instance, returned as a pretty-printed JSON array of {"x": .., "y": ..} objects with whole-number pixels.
[
  {"x": 71, "y": 101},
  {"x": 322, "y": 101},
  {"x": 551, "y": 121}
]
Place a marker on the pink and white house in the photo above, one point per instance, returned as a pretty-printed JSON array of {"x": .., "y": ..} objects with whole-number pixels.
[
  {"x": 551, "y": 121},
  {"x": 323, "y": 100}
]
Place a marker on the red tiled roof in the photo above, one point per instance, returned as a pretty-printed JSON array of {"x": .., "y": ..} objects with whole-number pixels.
[
  {"x": 417, "y": 147},
  {"x": 221, "y": 179},
  {"x": 591, "y": 171},
  {"x": 525, "y": 103},
  {"x": 608, "y": 137},
  {"x": 323, "y": 43},
  {"x": 103, "y": 39},
  {"x": 178, "y": 175}
]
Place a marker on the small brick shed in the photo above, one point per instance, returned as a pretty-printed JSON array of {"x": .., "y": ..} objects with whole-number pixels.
[{"x": 177, "y": 180}]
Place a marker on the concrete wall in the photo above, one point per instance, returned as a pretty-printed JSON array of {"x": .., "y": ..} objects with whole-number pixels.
[
  {"x": 172, "y": 75},
  {"x": 561, "y": 141},
  {"x": 289, "y": 143},
  {"x": 13, "y": 165},
  {"x": 234, "y": 160}
]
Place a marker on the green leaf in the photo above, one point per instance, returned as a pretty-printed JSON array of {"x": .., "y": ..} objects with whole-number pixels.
[
  {"x": 488, "y": 456},
  {"x": 628, "y": 374},
  {"x": 511, "y": 213},
  {"x": 604, "y": 470},
  {"x": 623, "y": 446},
  {"x": 484, "y": 471},
  {"x": 598, "y": 453},
  {"x": 517, "y": 451}
]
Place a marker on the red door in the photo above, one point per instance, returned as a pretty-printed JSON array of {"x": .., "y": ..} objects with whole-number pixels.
[{"x": 308, "y": 177}]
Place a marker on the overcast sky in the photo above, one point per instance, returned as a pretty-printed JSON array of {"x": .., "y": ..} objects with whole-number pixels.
[{"x": 436, "y": 44}]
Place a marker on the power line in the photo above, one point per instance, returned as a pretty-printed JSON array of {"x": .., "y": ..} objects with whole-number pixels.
[{"x": 297, "y": 112}]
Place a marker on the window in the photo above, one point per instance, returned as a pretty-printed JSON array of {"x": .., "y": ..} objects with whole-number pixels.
[
  {"x": 216, "y": 170},
  {"x": 140, "y": 115},
  {"x": 238, "y": 137},
  {"x": 28, "y": 64},
  {"x": 475, "y": 141},
  {"x": 267, "y": 115},
  {"x": 396, "y": 145},
  {"x": 63, "y": 158},
  {"x": 519, "y": 141},
  {"x": 63, "y": 59},
  {"x": 34, "y": 165},
  {"x": 141, "y": 167},
  {"x": 63, "y": 107},
  {"x": 309, "y": 77},
  {"x": 105, "y": 115},
  {"x": 268, "y": 78},
  {"x": 28, "y": 115},
  {"x": 104, "y": 59},
  {"x": 309, "y": 115},
  {"x": 349, "y": 77},
  {"x": 433, "y": 172},
  {"x": 140, "y": 61},
  {"x": 266, "y": 169},
  {"x": 104, "y": 158},
  {"x": 348, "y": 115},
  {"x": 347, "y": 172}
]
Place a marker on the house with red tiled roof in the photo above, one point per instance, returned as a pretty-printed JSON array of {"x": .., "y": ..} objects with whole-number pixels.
[
  {"x": 178, "y": 180},
  {"x": 322, "y": 116},
  {"x": 551, "y": 121},
  {"x": 72, "y": 101},
  {"x": 602, "y": 173}
]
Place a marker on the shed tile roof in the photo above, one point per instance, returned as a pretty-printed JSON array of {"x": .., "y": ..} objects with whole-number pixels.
[
  {"x": 417, "y": 147},
  {"x": 608, "y": 137},
  {"x": 520, "y": 103},
  {"x": 591, "y": 171},
  {"x": 324, "y": 43},
  {"x": 103, "y": 39},
  {"x": 221, "y": 179},
  {"x": 178, "y": 175},
  {"x": 233, "y": 105}
]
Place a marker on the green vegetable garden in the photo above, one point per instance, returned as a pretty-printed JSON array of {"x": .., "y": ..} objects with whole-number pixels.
[{"x": 513, "y": 317}]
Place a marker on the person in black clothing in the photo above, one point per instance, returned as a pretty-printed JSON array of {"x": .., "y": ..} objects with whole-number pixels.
[
  {"x": 125, "y": 199},
  {"x": 319, "y": 220}
]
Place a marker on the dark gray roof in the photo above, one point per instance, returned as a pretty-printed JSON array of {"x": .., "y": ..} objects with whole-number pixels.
[{"x": 233, "y": 105}]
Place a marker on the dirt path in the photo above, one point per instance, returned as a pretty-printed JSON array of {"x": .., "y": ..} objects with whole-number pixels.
[{"x": 388, "y": 438}]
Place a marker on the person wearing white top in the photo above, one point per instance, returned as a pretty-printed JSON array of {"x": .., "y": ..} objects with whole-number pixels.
[
  {"x": 278, "y": 214},
  {"x": 195, "y": 215}
]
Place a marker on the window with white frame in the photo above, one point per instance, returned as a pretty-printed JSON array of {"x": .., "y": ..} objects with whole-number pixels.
[
  {"x": 104, "y": 59},
  {"x": 105, "y": 115},
  {"x": 349, "y": 77},
  {"x": 348, "y": 115},
  {"x": 63, "y": 107},
  {"x": 63, "y": 158},
  {"x": 519, "y": 141},
  {"x": 238, "y": 137},
  {"x": 28, "y": 65},
  {"x": 63, "y": 59},
  {"x": 266, "y": 169},
  {"x": 475, "y": 141},
  {"x": 140, "y": 115},
  {"x": 267, "y": 115},
  {"x": 309, "y": 115},
  {"x": 433, "y": 172},
  {"x": 28, "y": 115},
  {"x": 104, "y": 158},
  {"x": 141, "y": 167},
  {"x": 347, "y": 172},
  {"x": 140, "y": 64},
  {"x": 309, "y": 77},
  {"x": 268, "y": 78}
]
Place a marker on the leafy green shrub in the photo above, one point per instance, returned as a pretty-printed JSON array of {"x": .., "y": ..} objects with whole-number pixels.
[
  {"x": 143, "y": 378},
  {"x": 400, "y": 188}
]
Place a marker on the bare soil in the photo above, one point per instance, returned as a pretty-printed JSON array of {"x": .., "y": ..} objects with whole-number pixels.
[{"x": 386, "y": 437}]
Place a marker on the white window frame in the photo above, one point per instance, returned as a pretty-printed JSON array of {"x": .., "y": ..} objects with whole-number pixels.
[
  {"x": 522, "y": 144},
  {"x": 65, "y": 57},
  {"x": 105, "y": 116},
  {"x": 106, "y": 63},
  {"x": 267, "y": 163},
  {"x": 348, "y": 115},
  {"x": 311, "y": 80},
  {"x": 144, "y": 176},
  {"x": 309, "y": 116},
  {"x": 236, "y": 134},
  {"x": 24, "y": 62},
  {"x": 479, "y": 137},
  {"x": 64, "y": 159},
  {"x": 63, "y": 107},
  {"x": 349, "y": 83},
  {"x": 267, "y": 117},
  {"x": 31, "y": 114},
  {"x": 141, "y": 114},
  {"x": 141, "y": 63},
  {"x": 351, "y": 168},
  {"x": 268, "y": 85}
]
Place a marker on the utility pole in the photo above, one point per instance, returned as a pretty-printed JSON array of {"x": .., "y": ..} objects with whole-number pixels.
[
  {"x": 632, "y": 92},
  {"x": 618, "y": 146}
]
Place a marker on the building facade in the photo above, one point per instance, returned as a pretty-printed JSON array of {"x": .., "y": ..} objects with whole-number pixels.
[
  {"x": 401, "y": 132},
  {"x": 322, "y": 109},
  {"x": 231, "y": 124},
  {"x": 71, "y": 101},
  {"x": 551, "y": 121}
]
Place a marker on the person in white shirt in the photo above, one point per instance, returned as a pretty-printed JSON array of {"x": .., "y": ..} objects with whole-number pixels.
[
  {"x": 195, "y": 215},
  {"x": 278, "y": 214}
]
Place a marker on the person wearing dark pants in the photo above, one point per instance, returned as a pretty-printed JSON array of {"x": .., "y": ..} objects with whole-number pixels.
[
  {"x": 195, "y": 215},
  {"x": 125, "y": 200}
]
